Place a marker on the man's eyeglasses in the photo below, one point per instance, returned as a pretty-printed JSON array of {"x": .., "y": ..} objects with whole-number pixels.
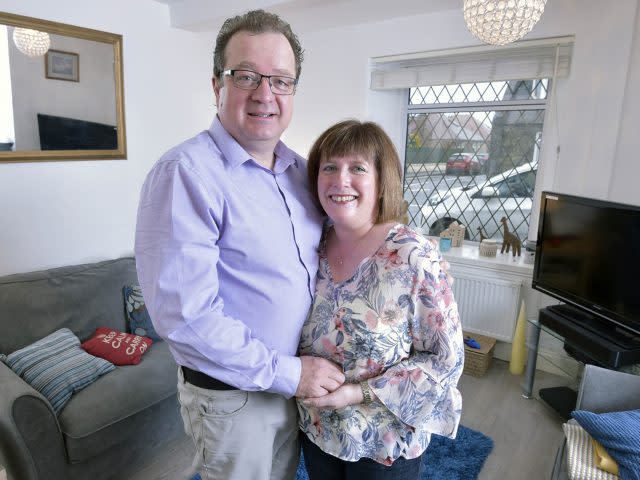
[{"x": 248, "y": 80}]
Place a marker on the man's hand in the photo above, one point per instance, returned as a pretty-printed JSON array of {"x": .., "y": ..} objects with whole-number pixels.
[
  {"x": 319, "y": 376},
  {"x": 347, "y": 394}
]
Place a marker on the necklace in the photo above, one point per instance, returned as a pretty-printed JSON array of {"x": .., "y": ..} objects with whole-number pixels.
[{"x": 340, "y": 259}]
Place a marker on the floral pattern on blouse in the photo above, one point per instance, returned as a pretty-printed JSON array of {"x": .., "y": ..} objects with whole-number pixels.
[{"x": 395, "y": 324}]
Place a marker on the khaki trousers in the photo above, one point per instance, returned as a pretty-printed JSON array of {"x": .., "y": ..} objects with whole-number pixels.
[{"x": 240, "y": 435}]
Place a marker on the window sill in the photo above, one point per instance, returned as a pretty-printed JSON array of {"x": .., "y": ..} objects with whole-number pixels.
[{"x": 469, "y": 255}]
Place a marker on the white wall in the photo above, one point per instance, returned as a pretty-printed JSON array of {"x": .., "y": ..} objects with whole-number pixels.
[
  {"x": 68, "y": 212},
  {"x": 335, "y": 85},
  {"x": 624, "y": 184}
]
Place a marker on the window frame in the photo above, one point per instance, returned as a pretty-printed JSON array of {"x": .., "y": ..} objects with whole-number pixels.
[{"x": 409, "y": 109}]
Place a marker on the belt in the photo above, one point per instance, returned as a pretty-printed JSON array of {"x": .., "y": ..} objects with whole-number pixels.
[{"x": 202, "y": 380}]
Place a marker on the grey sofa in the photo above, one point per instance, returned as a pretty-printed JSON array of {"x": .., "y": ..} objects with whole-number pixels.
[
  {"x": 110, "y": 425},
  {"x": 601, "y": 390}
]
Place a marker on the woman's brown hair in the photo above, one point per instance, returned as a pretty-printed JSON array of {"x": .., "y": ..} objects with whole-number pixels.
[{"x": 368, "y": 140}]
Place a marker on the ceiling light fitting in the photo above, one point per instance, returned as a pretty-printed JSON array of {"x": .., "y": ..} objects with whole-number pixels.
[
  {"x": 31, "y": 42},
  {"x": 498, "y": 22}
]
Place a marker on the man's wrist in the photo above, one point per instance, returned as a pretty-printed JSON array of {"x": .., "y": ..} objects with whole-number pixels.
[{"x": 287, "y": 376}]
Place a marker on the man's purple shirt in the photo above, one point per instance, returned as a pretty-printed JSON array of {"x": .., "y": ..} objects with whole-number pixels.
[{"x": 226, "y": 253}]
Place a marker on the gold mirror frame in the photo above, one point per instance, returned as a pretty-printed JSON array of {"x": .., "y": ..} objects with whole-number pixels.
[{"x": 10, "y": 19}]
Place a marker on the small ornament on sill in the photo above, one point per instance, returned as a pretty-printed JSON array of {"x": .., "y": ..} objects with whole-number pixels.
[
  {"x": 509, "y": 239},
  {"x": 455, "y": 232},
  {"x": 488, "y": 247},
  {"x": 445, "y": 244},
  {"x": 529, "y": 251}
]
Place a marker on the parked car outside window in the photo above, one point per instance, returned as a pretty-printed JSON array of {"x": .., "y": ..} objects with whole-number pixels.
[
  {"x": 507, "y": 194},
  {"x": 466, "y": 163}
]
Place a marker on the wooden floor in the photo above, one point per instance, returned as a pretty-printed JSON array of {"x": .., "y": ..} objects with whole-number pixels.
[{"x": 526, "y": 433}]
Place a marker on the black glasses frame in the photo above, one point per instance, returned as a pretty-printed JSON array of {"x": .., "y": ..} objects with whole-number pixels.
[{"x": 231, "y": 73}]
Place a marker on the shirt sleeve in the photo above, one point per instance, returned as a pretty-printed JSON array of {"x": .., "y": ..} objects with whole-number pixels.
[
  {"x": 177, "y": 257},
  {"x": 421, "y": 389}
]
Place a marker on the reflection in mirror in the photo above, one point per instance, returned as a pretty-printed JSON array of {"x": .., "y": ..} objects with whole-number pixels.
[{"x": 65, "y": 104}]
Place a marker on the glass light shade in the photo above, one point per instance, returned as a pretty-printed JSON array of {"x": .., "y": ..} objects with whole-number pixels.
[
  {"x": 498, "y": 22},
  {"x": 31, "y": 42}
]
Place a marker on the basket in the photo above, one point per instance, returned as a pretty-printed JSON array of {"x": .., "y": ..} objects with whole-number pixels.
[{"x": 478, "y": 360}]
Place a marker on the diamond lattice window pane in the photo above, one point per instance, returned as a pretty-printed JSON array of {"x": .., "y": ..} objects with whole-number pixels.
[{"x": 473, "y": 166}]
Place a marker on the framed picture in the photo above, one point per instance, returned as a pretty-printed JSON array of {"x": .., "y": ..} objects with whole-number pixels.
[{"x": 62, "y": 65}]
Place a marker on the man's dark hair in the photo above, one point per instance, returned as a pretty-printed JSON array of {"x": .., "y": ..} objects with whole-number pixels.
[{"x": 254, "y": 21}]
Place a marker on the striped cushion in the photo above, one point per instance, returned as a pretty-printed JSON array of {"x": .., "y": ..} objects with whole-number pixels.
[
  {"x": 57, "y": 367},
  {"x": 619, "y": 434},
  {"x": 580, "y": 455}
]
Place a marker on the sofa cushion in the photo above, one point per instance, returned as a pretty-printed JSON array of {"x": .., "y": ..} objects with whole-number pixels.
[
  {"x": 57, "y": 367},
  {"x": 619, "y": 434},
  {"x": 104, "y": 413},
  {"x": 79, "y": 297},
  {"x": 137, "y": 314},
  {"x": 117, "y": 347}
]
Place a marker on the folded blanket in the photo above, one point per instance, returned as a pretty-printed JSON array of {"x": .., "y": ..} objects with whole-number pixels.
[{"x": 580, "y": 455}]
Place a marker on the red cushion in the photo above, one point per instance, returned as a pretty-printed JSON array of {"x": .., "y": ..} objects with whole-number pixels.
[{"x": 118, "y": 347}]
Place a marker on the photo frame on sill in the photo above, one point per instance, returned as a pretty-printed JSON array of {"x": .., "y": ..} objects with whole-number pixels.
[{"x": 61, "y": 65}]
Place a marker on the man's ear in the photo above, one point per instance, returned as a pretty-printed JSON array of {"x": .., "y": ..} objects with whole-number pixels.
[{"x": 216, "y": 88}]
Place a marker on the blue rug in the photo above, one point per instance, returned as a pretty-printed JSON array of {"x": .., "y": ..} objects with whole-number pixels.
[{"x": 445, "y": 459}]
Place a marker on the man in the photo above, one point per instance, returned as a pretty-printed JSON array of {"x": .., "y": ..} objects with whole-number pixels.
[{"x": 226, "y": 251}]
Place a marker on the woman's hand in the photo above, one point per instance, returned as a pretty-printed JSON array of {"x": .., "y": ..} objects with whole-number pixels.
[{"x": 347, "y": 394}]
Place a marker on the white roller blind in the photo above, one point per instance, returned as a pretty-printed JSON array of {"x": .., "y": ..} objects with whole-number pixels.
[{"x": 521, "y": 60}]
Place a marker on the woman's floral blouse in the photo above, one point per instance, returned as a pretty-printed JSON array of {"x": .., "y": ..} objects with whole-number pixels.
[{"x": 394, "y": 323}]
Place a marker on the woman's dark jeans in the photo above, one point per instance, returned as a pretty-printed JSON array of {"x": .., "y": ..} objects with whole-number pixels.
[{"x": 323, "y": 466}]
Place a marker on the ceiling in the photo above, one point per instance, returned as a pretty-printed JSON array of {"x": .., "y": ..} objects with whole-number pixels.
[{"x": 303, "y": 15}]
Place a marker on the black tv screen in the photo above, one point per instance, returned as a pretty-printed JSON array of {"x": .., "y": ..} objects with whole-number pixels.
[
  {"x": 588, "y": 255},
  {"x": 61, "y": 133}
]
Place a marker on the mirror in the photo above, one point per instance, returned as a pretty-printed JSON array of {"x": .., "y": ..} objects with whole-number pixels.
[{"x": 65, "y": 104}]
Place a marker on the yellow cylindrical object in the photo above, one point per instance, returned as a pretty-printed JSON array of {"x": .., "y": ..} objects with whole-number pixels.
[
  {"x": 518, "y": 347},
  {"x": 603, "y": 460}
]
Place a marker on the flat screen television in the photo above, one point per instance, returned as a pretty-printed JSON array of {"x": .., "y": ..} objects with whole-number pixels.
[
  {"x": 62, "y": 133},
  {"x": 588, "y": 256}
]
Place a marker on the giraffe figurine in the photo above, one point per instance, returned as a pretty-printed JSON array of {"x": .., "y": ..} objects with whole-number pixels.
[
  {"x": 482, "y": 235},
  {"x": 509, "y": 239}
]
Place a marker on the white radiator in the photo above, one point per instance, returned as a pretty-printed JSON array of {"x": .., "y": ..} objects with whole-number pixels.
[{"x": 487, "y": 306}]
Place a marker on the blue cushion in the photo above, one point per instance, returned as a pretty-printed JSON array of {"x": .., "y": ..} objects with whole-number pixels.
[
  {"x": 137, "y": 315},
  {"x": 619, "y": 434},
  {"x": 57, "y": 367}
]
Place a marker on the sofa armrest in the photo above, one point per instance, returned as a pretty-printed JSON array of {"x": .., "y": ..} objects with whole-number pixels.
[
  {"x": 31, "y": 444},
  {"x": 603, "y": 390},
  {"x": 559, "y": 471}
]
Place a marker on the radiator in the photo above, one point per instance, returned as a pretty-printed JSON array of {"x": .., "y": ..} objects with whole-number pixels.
[{"x": 487, "y": 306}]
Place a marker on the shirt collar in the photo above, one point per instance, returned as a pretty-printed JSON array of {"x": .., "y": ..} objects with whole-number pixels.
[{"x": 235, "y": 155}]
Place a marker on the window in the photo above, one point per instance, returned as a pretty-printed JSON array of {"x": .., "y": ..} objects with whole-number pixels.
[{"x": 472, "y": 155}]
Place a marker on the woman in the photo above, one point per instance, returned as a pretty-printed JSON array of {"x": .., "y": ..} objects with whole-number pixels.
[{"x": 384, "y": 311}]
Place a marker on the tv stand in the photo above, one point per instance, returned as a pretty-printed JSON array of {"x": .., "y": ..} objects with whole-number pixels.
[
  {"x": 595, "y": 340},
  {"x": 586, "y": 337}
]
